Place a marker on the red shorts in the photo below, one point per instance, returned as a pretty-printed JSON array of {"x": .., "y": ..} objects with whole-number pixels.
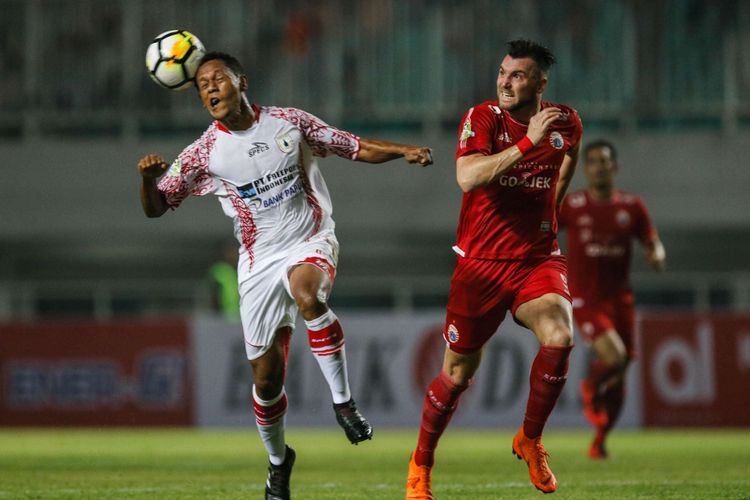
[
  {"x": 482, "y": 292},
  {"x": 618, "y": 314}
]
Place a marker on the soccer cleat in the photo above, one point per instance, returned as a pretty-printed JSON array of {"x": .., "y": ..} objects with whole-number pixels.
[
  {"x": 592, "y": 410},
  {"x": 356, "y": 427},
  {"x": 533, "y": 452},
  {"x": 277, "y": 483},
  {"x": 418, "y": 481},
  {"x": 597, "y": 451}
]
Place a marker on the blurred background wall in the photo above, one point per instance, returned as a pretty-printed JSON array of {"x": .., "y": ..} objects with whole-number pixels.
[{"x": 667, "y": 80}]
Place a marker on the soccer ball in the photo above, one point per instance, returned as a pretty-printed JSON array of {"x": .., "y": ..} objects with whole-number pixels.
[{"x": 172, "y": 59}]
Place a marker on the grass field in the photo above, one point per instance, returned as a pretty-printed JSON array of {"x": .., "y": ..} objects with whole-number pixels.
[{"x": 184, "y": 464}]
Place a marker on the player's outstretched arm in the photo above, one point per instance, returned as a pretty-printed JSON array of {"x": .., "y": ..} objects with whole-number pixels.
[
  {"x": 477, "y": 170},
  {"x": 151, "y": 167},
  {"x": 377, "y": 151}
]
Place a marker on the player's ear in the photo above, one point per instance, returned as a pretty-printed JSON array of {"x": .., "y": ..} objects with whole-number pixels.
[
  {"x": 243, "y": 83},
  {"x": 542, "y": 84}
]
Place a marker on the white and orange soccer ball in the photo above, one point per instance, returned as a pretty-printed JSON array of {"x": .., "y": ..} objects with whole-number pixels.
[{"x": 172, "y": 59}]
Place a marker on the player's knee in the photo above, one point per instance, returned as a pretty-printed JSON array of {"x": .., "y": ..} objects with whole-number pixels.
[
  {"x": 310, "y": 302},
  {"x": 268, "y": 386},
  {"x": 557, "y": 334}
]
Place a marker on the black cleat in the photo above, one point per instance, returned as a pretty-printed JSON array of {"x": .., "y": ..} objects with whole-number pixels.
[
  {"x": 277, "y": 484},
  {"x": 356, "y": 427}
]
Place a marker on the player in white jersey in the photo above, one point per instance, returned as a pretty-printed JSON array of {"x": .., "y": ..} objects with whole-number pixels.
[{"x": 259, "y": 162}]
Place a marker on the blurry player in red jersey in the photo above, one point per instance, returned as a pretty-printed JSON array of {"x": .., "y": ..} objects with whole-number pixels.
[
  {"x": 601, "y": 222},
  {"x": 515, "y": 158},
  {"x": 259, "y": 162}
]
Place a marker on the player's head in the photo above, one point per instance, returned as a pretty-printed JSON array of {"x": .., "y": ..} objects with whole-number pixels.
[
  {"x": 221, "y": 82},
  {"x": 600, "y": 163},
  {"x": 522, "y": 77}
]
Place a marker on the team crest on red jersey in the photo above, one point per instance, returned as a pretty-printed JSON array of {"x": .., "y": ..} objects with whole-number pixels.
[
  {"x": 556, "y": 139},
  {"x": 623, "y": 218},
  {"x": 452, "y": 333}
]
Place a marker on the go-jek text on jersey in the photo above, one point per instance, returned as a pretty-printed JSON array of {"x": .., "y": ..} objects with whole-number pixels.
[{"x": 515, "y": 216}]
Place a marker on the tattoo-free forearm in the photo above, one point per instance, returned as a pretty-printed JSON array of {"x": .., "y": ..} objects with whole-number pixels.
[
  {"x": 479, "y": 170},
  {"x": 152, "y": 200}
]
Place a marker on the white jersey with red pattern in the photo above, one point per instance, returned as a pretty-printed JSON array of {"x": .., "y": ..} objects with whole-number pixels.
[
  {"x": 265, "y": 177},
  {"x": 514, "y": 217}
]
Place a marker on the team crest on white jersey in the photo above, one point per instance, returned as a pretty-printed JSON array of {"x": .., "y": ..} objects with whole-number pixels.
[
  {"x": 174, "y": 169},
  {"x": 284, "y": 141},
  {"x": 556, "y": 140}
]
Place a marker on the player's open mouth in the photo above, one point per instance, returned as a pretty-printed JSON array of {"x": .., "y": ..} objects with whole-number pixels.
[
  {"x": 214, "y": 101},
  {"x": 505, "y": 94}
]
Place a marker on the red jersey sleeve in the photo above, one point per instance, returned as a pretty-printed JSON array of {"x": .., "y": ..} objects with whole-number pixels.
[
  {"x": 645, "y": 230},
  {"x": 577, "y": 130},
  {"x": 477, "y": 131}
]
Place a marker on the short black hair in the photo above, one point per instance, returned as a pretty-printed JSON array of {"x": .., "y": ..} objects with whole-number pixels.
[
  {"x": 601, "y": 143},
  {"x": 229, "y": 61},
  {"x": 542, "y": 56}
]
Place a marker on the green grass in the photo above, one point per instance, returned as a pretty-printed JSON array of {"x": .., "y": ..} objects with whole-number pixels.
[{"x": 182, "y": 464}]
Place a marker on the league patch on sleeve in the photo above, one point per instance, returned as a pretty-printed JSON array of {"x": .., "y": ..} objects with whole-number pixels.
[{"x": 467, "y": 133}]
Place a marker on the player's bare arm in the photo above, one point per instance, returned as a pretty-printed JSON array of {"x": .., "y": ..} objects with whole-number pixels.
[
  {"x": 567, "y": 169},
  {"x": 151, "y": 167},
  {"x": 656, "y": 256},
  {"x": 377, "y": 151},
  {"x": 475, "y": 171}
]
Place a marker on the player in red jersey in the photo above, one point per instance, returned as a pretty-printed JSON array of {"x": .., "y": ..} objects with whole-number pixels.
[
  {"x": 515, "y": 158},
  {"x": 601, "y": 222}
]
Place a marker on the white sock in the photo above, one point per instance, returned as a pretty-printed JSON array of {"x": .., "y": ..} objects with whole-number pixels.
[
  {"x": 270, "y": 417},
  {"x": 327, "y": 344}
]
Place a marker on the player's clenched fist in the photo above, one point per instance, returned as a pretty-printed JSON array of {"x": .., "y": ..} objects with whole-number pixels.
[
  {"x": 152, "y": 166},
  {"x": 421, "y": 155},
  {"x": 540, "y": 122}
]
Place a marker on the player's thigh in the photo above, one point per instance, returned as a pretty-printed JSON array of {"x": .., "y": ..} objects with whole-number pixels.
[
  {"x": 610, "y": 348},
  {"x": 550, "y": 317},
  {"x": 311, "y": 269},
  {"x": 309, "y": 284},
  {"x": 466, "y": 335}
]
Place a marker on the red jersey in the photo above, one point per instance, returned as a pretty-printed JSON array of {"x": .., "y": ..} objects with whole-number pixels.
[
  {"x": 600, "y": 234},
  {"x": 515, "y": 217}
]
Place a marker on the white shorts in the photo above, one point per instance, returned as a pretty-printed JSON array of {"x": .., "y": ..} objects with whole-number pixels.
[{"x": 266, "y": 302}]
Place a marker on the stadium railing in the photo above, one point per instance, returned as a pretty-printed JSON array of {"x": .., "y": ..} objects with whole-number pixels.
[{"x": 700, "y": 292}]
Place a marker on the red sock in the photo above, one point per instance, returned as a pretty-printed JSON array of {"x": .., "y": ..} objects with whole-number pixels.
[
  {"x": 613, "y": 399},
  {"x": 599, "y": 373},
  {"x": 548, "y": 375},
  {"x": 440, "y": 402}
]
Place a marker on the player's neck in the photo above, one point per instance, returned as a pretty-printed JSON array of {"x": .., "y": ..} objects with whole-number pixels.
[
  {"x": 601, "y": 193},
  {"x": 523, "y": 114},
  {"x": 241, "y": 120}
]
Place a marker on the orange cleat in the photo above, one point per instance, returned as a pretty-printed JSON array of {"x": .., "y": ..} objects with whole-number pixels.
[
  {"x": 591, "y": 410},
  {"x": 419, "y": 481},
  {"x": 597, "y": 451},
  {"x": 533, "y": 452}
]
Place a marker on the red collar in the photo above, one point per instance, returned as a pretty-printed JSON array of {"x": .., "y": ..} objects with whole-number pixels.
[{"x": 256, "y": 111}]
